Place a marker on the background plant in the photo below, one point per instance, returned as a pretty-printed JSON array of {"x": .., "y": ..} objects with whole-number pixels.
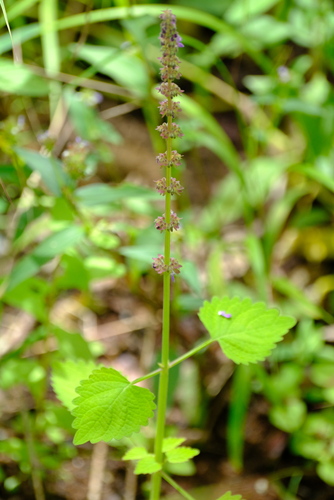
[{"x": 277, "y": 235}]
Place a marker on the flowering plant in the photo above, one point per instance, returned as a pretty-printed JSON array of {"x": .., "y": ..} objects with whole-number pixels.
[{"x": 105, "y": 404}]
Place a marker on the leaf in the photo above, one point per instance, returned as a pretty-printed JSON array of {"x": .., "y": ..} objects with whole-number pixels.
[
  {"x": 228, "y": 496},
  {"x": 58, "y": 242},
  {"x": 313, "y": 173},
  {"x": 87, "y": 123},
  {"x": 142, "y": 253},
  {"x": 124, "y": 66},
  {"x": 239, "y": 12},
  {"x": 72, "y": 346},
  {"x": 53, "y": 245},
  {"x": 290, "y": 416},
  {"x": 66, "y": 376},
  {"x": 20, "y": 80},
  {"x": 50, "y": 169},
  {"x": 27, "y": 267},
  {"x": 135, "y": 453},
  {"x": 251, "y": 333},
  {"x": 147, "y": 465},
  {"x": 102, "y": 267},
  {"x": 325, "y": 471},
  {"x": 181, "y": 454},
  {"x": 171, "y": 443},
  {"x": 30, "y": 296},
  {"x": 99, "y": 194},
  {"x": 110, "y": 407}
]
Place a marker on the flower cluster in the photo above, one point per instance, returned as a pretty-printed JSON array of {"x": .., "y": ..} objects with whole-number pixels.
[
  {"x": 169, "y": 109},
  {"x": 160, "y": 267},
  {"x": 170, "y": 42},
  {"x": 168, "y": 186},
  {"x": 162, "y": 225},
  {"x": 174, "y": 187},
  {"x": 174, "y": 159},
  {"x": 171, "y": 131},
  {"x": 169, "y": 89}
]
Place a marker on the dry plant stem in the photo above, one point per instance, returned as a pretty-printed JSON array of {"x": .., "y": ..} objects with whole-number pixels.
[{"x": 97, "y": 471}]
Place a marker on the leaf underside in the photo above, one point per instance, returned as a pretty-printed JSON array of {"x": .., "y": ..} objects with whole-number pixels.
[{"x": 252, "y": 331}]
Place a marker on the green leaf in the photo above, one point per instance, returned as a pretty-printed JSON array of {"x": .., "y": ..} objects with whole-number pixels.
[
  {"x": 171, "y": 443},
  {"x": 124, "y": 66},
  {"x": 239, "y": 12},
  {"x": 58, "y": 242},
  {"x": 183, "y": 469},
  {"x": 20, "y": 80},
  {"x": 24, "y": 269},
  {"x": 50, "y": 169},
  {"x": 87, "y": 123},
  {"x": 53, "y": 245},
  {"x": 110, "y": 407},
  {"x": 141, "y": 253},
  {"x": 99, "y": 194},
  {"x": 289, "y": 417},
  {"x": 72, "y": 345},
  {"x": 102, "y": 267},
  {"x": 313, "y": 173},
  {"x": 136, "y": 453},
  {"x": 74, "y": 273},
  {"x": 66, "y": 376},
  {"x": 147, "y": 465},
  {"x": 181, "y": 454},
  {"x": 252, "y": 331},
  {"x": 325, "y": 471},
  {"x": 228, "y": 496},
  {"x": 30, "y": 296}
]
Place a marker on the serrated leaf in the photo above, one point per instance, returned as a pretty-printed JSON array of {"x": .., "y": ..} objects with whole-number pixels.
[
  {"x": 135, "y": 453},
  {"x": 181, "y": 454},
  {"x": 67, "y": 376},
  {"x": 228, "y": 496},
  {"x": 110, "y": 407},
  {"x": 251, "y": 332},
  {"x": 147, "y": 465},
  {"x": 171, "y": 443}
]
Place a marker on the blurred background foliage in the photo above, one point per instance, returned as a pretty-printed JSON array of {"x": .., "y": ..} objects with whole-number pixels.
[{"x": 78, "y": 143}]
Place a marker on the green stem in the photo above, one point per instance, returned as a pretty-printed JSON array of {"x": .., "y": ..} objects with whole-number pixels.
[
  {"x": 163, "y": 379},
  {"x": 176, "y": 486},
  {"x": 51, "y": 53},
  {"x": 147, "y": 376},
  {"x": 33, "y": 459},
  {"x": 191, "y": 352},
  {"x": 176, "y": 361}
]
